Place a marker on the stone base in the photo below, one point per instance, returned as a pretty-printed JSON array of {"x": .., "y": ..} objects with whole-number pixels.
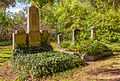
[{"x": 34, "y": 39}]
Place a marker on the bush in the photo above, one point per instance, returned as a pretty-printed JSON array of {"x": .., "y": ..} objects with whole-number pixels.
[
  {"x": 91, "y": 47},
  {"x": 65, "y": 44},
  {"x": 33, "y": 49},
  {"x": 39, "y": 65},
  {"x": 5, "y": 43}
]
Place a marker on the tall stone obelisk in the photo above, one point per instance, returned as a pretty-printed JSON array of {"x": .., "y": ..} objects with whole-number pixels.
[{"x": 33, "y": 26}]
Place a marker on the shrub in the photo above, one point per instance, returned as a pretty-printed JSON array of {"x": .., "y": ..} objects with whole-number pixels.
[
  {"x": 65, "y": 44},
  {"x": 33, "y": 49},
  {"x": 91, "y": 47},
  {"x": 5, "y": 43},
  {"x": 39, "y": 65}
]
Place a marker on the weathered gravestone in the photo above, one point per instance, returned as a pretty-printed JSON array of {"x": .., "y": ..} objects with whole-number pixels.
[
  {"x": 33, "y": 26},
  {"x": 59, "y": 38},
  {"x": 45, "y": 37},
  {"x": 76, "y": 32},
  {"x": 93, "y": 32},
  {"x": 19, "y": 38},
  {"x": 32, "y": 34}
]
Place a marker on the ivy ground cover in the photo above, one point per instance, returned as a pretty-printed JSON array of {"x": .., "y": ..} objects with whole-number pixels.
[{"x": 44, "y": 64}]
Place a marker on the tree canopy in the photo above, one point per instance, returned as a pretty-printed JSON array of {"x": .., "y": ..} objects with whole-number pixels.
[{"x": 7, "y": 3}]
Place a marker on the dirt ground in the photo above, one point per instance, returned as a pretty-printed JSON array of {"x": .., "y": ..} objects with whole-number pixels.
[{"x": 6, "y": 73}]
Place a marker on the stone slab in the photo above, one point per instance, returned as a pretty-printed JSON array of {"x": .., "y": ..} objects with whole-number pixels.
[{"x": 94, "y": 58}]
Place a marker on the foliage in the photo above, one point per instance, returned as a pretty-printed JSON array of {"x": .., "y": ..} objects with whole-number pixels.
[
  {"x": 33, "y": 49},
  {"x": 91, "y": 47},
  {"x": 114, "y": 48},
  {"x": 7, "y": 3},
  {"x": 72, "y": 48},
  {"x": 5, "y": 20},
  {"x": 44, "y": 64},
  {"x": 67, "y": 15},
  {"x": 65, "y": 44},
  {"x": 8, "y": 23},
  {"x": 5, "y": 43}
]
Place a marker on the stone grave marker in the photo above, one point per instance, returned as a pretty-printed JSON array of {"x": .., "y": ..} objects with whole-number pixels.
[
  {"x": 45, "y": 37},
  {"x": 75, "y": 33},
  {"x": 19, "y": 37},
  {"x": 33, "y": 34},
  {"x": 93, "y": 32},
  {"x": 59, "y": 38},
  {"x": 33, "y": 26}
]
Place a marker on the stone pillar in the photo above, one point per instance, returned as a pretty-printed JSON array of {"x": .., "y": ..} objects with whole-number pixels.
[
  {"x": 59, "y": 38},
  {"x": 33, "y": 26},
  {"x": 93, "y": 32},
  {"x": 19, "y": 38},
  {"x": 45, "y": 37},
  {"x": 75, "y": 33}
]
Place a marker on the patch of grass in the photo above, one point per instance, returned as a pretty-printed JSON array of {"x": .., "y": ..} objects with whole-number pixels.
[
  {"x": 54, "y": 44},
  {"x": 113, "y": 48},
  {"x": 5, "y": 53}
]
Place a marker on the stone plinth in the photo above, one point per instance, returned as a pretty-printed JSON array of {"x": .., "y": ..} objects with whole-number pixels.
[
  {"x": 34, "y": 39},
  {"x": 19, "y": 38}
]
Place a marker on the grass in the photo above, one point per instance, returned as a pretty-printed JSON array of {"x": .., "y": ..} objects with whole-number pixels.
[
  {"x": 114, "y": 48},
  {"x": 5, "y": 53},
  {"x": 54, "y": 45}
]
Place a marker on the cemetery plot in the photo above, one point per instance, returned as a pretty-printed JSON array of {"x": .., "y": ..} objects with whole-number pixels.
[{"x": 44, "y": 64}]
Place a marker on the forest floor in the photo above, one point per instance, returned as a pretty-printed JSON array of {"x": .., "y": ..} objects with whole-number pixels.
[{"x": 107, "y": 69}]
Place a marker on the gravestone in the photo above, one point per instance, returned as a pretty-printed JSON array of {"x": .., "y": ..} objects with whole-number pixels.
[
  {"x": 33, "y": 26},
  {"x": 93, "y": 32},
  {"x": 76, "y": 32},
  {"x": 33, "y": 35},
  {"x": 45, "y": 37},
  {"x": 59, "y": 38},
  {"x": 19, "y": 38}
]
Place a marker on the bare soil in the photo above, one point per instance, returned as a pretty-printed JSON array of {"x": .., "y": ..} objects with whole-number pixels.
[{"x": 6, "y": 72}]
